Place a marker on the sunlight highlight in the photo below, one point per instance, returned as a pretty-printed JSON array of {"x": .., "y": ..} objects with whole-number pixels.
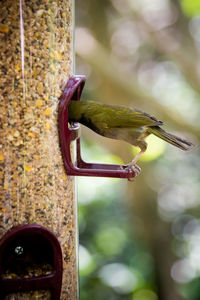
[{"x": 156, "y": 148}]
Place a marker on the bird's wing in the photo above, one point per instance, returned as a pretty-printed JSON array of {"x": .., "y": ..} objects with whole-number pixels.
[{"x": 123, "y": 117}]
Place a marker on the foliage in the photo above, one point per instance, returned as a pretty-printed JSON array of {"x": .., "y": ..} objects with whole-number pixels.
[
  {"x": 191, "y": 8},
  {"x": 140, "y": 240}
]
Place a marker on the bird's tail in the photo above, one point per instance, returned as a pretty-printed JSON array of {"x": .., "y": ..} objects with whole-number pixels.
[{"x": 170, "y": 138}]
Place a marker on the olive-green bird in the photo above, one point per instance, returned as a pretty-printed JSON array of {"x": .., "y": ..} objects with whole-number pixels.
[{"x": 122, "y": 123}]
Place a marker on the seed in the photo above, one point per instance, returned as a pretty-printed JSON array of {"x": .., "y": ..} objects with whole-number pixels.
[
  {"x": 48, "y": 112},
  {"x": 4, "y": 28},
  {"x": 28, "y": 168},
  {"x": 48, "y": 126},
  {"x": 39, "y": 103},
  {"x": 2, "y": 157}
]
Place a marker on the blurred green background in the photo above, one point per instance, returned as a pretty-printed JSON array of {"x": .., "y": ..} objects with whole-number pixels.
[{"x": 140, "y": 240}]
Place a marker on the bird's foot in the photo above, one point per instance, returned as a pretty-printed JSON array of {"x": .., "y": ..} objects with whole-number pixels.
[{"x": 133, "y": 167}]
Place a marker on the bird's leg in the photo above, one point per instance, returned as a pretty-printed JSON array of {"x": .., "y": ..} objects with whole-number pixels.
[{"x": 132, "y": 165}]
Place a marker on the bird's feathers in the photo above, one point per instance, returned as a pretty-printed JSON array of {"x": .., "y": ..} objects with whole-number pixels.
[
  {"x": 110, "y": 116},
  {"x": 120, "y": 122},
  {"x": 170, "y": 138}
]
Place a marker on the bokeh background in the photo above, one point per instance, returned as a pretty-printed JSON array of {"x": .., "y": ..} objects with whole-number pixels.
[{"x": 140, "y": 240}]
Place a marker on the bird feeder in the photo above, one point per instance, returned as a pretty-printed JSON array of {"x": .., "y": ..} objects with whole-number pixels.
[{"x": 37, "y": 200}]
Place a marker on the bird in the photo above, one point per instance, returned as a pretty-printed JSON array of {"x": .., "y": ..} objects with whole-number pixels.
[{"x": 122, "y": 123}]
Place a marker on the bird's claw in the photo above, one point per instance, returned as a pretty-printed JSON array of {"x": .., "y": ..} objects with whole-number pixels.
[{"x": 133, "y": 167}]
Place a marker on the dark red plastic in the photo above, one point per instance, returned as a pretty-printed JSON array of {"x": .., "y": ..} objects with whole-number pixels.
[
  {"x": 26, "y": 234},
  {"x": 73, "y": 91}
]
